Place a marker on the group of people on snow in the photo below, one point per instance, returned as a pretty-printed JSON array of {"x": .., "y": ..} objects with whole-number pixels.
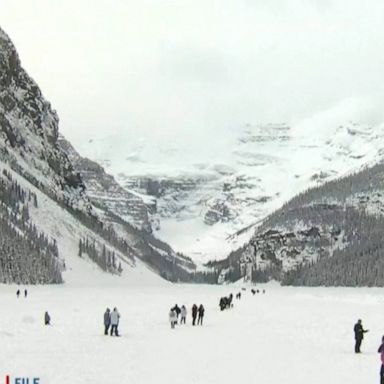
[
  {"x": 18, "y": 292},
  {"x": 254, "y": 291},
  {"x": 176, "y": 311},
  {"x": 47, "y": 318},
  {"x": 111, "y": 320},
  {"x": 226, "y": 302}
]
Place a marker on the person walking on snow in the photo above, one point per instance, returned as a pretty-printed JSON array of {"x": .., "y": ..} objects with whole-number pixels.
[
  {"x": 47, "y": 318},
  {"x": 183, "y": 314},
  {"x": 201, "y": 315},
  {"x": 359, "y": 335},
  {"x": 172, "y": 317},
  {"x": 107, "y": 320},
  {"x": 177, "y": 310},
  {"x": 115, "y": 316},
  {"x": 194, "y": 314},
  {"x": 25, "y": 293},
  {"x": 18, "y": 293},
  {"x": 381, "y": 351}
]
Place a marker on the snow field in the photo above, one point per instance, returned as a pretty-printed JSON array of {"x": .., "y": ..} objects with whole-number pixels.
[{"x": 288, "y": 335}]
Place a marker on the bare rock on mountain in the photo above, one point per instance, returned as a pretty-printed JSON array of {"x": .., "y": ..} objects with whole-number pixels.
[
  {"x": 29, "y": 132},
  {"x": 47, "y": 189},
  {"x": 103, "y": 190}
]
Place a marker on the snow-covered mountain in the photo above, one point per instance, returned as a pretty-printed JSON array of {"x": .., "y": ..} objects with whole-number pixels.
[
  {"x": 60, "y": 213},
  {"x": 204, "y": 192},
  {"x": 29, "y": 133},
  {"x": 65, "y": 217},
  {"x": 103, "y": 190},
  {"x": 328, "y": 235}
]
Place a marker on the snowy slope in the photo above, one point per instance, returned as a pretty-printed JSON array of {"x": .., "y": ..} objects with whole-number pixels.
[
  {"x": 330, "y": 235},
  {"x": 291, "y": 336},
  {"x": 207, "y": 189},
  {"x": 103, "y": 190},
  {"x": 57, "y": 223},
  {"x": 31, "y": 154}
]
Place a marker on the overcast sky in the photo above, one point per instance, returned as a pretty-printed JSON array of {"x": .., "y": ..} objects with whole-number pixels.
[{"x": 179, "y": 67}]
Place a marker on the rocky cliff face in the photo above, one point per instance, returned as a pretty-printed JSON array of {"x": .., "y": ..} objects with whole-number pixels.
[
  {"x": 329, "y": 235},
  {"x": 63, "y": 198},
  {"x": 29, "y": 132},
  {"x": 104, "y": 191}
]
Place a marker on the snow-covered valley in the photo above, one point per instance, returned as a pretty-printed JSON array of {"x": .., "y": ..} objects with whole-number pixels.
[
  {"x": 201, "y": 191},
  {"x": 290, "y": 335}
]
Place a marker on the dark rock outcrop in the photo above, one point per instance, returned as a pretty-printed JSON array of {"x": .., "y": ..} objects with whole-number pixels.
[
  {"x": 103, "y": 190},
  {"x": 29, "y": 132}
]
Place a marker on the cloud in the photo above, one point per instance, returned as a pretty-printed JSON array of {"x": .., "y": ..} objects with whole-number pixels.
[
  {"x": 186, "y": 67},
  {"x": 352, "y": 110}
]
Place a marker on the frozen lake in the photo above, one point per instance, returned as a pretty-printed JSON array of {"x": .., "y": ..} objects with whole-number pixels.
[{"x": 288, "y": 335}]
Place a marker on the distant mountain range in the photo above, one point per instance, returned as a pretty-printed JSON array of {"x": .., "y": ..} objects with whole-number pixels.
[
  {"x": 302, "y": 206},
  {"x": 208, "y": 203}
]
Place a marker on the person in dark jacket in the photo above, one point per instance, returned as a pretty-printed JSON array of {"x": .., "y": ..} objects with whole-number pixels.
[
  {"x": 107, "y": 320},
  {"x": 47, "y": 318},
  {"x": 222, "y": 303},
  {"x": 229, "y": 303},
  {"x": 359, "y": 335},
  {"x": 18, "y": 293},
  {"x": 194, "y": 314},
  {"x": 25, "y": 293},
  {"x": 381, "y": 351},
  {"x": 201, "y": 315},
  {"x": 177, "y": 310}
]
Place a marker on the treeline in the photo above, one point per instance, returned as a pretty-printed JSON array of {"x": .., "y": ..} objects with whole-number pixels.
[
  {"x": 104, "y": 258},
  {"x": 27, "y": 256},
  {"x": 341, "y": 223},
  {"x": 160, "y": 257},
  {"x": 349, "y": 249},
  {"x": 360, "y": 263},
  {"x": 172, "y": 267},
  {"x": 234, "y": 268},
  {"x": 103, "y": 229},
  {"x": 155, "y": 253},
  {"x": 11, "y": 193},
  {"x": 338, "y": 192}
]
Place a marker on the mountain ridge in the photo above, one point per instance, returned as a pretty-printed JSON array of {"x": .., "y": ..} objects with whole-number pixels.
[
  {"x": 202, "y": 200},
  {"x": 328, "y": 235},
  {"x": 83, "y": 228}
]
